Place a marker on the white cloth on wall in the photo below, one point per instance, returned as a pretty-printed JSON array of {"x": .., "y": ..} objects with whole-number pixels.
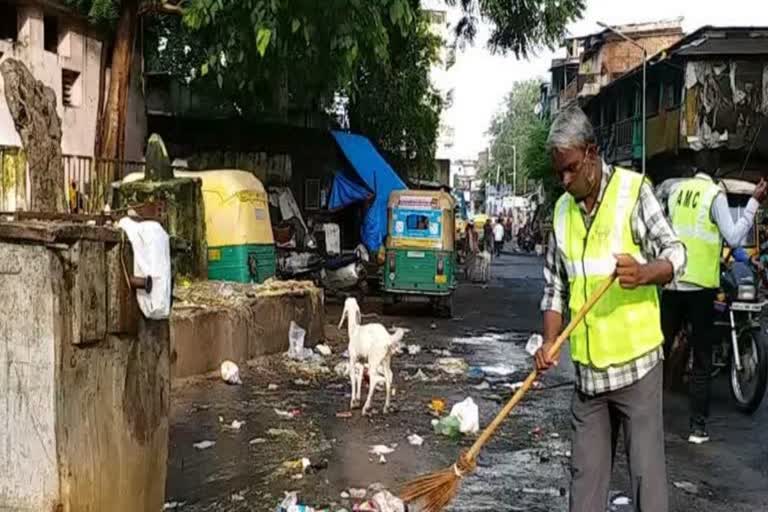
[{"x": 151, "y": 257}]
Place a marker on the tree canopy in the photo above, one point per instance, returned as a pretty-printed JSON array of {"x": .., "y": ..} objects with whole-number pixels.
[
  {"x": 519, "y": 26},
  {"x": 511, "y": 128},
  {"x": 275, "y": 55},
  {"x": 395, "y": 103}
]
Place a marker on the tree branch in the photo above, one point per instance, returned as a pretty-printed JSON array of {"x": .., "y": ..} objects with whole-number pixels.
[{"x": 162, "y": 8}]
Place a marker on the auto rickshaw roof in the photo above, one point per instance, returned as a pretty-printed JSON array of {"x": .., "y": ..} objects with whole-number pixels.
[{"x": 444, "y": 200}]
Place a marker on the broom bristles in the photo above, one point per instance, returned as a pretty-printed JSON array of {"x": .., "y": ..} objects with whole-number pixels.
[{"x": 433, "y": 492}]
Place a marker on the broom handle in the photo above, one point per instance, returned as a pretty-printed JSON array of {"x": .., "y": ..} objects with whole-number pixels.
[{"x": 494, "y": 425}]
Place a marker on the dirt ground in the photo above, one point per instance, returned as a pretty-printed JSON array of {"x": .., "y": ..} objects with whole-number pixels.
[{"x": 525, "y": 468}]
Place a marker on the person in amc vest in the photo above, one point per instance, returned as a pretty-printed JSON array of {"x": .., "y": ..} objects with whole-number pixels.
[
  {"x": 609, "y": 220},
  {"x": 699, "y": 212}
]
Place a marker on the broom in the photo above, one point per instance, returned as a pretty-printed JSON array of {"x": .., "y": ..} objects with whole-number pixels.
[{"x": 436, "y": 490}]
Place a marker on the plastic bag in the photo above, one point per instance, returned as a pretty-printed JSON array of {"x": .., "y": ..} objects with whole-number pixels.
[
  {"x": 151, "y": 257},
  {"x": 385, "y": 501},
  {"x": 296, "y": 342},
  {"x": 534, "y": 344},
  {"x": 230, "y": 373},
  {"x": 468, "y": 415},
  {"x": 448, "y": 426}
]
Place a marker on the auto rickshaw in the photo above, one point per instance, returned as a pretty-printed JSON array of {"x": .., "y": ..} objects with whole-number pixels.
[
  {"x": 238, "y": 230},
  {"x": 420, "y": 260}
]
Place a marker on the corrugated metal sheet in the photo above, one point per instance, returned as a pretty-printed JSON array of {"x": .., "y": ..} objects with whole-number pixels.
[{"x": 726, "y": 46}]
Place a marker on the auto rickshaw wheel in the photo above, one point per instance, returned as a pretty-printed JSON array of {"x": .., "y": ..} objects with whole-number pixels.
[{"x": 444, "y": 306}]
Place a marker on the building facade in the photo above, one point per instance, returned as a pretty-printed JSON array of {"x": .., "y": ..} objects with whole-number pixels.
[
  {"x": 593, "y": 61},
  {"x": 64, "y": 52},
  {"x": 707, "y": 104}
]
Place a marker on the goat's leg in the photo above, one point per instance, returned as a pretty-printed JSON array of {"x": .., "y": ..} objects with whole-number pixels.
[
  {"x": 373, "y": 381},
  {"x": 353, "y": 380},
  {"x": 354, "y": 401},
  {"x": 359, "y": 374},
  {"x": 388, "y": 384}
]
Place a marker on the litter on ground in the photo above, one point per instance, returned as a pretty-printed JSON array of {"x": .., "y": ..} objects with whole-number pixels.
[
  {"x": 323, "y": 350},
  {"x": 534, "y": 344},
  {"x": 452, "y": 365},
  {"x": 230, "y": 373},
  {"x": 414, "y": 349},
  {"x": 287, "y": 415},
  {"x": 468, "y": 415},
  {"x": 282, "y": 432},
  {"x": 620, "y": 501},
  {"x": 415, "y": 440},
  {"x": 381, "y": 449},
  {"x": 437, "y": 406},
  {"x": 236, "y": 424},
  {"x": 204, "y": 445},
  {"x": 688, "y": 487}
]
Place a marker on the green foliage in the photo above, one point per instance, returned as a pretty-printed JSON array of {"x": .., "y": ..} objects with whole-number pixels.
[
  {"x": 287, "y": 51},
  {"x": 539, "y": 163},
  {"x": 511, "y": 128},
  {"x": 519, "y": 26},
  {"x": 102, "y": 12},
  {"x": 395, "y": 104},
  {"x": 519, "y": 125}
]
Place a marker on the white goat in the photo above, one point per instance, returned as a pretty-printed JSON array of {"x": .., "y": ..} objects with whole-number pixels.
[{"x": 374, "y": 343}]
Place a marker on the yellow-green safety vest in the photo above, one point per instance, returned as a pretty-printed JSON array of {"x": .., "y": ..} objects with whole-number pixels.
[
  {"x": 690, "y": 207},
  {"x": 624, "y": 324}
]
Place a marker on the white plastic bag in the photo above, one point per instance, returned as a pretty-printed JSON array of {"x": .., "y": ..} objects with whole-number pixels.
[
  {"x": 296, "y": 342},
  {"x": 534, "y": 344},
  {"x": 151, "y": 257},
  {"x": 230, "y": 373},
  {"x": 468, "y": 415}
]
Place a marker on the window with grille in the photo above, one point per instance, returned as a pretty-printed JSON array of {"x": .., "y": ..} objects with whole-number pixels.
[{"x": 70, "y": 88}]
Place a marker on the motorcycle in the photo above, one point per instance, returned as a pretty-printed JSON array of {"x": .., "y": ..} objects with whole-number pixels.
[{"x": 741, "y": 346}]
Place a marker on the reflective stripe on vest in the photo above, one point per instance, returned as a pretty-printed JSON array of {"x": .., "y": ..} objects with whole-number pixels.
[
  {"x": 624, "y": 324},
  {"x": 690, "y": 209}
]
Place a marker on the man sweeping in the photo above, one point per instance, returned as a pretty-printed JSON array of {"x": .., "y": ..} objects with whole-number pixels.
[{"x": 609, "y": 221}]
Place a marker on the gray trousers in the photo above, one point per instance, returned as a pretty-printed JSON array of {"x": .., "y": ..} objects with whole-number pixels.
[{"x": 595, "y": 424}]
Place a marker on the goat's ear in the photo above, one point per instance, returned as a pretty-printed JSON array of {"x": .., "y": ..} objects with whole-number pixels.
[{"x": 359, "y": 317}]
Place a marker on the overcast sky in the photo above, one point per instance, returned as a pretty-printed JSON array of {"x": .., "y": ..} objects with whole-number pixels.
[{"x": 481, "y": 80}]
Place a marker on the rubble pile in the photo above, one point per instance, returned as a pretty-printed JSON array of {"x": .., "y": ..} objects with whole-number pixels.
[{"x": 231, "y": 294}]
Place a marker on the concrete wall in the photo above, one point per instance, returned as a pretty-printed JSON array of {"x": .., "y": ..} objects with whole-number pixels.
[
  {"x": 202, "y": 338},
  {"x": 29, "y": 478},
  {"x": 84, "y": 386},
  {"x": 78, "y": 51}
]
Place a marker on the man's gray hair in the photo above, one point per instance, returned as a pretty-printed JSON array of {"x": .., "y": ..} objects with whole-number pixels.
[{"x": 571, "y": 129}]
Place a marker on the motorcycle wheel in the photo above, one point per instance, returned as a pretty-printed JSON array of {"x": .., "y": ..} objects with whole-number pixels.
[{"x": 748, "y": 385}]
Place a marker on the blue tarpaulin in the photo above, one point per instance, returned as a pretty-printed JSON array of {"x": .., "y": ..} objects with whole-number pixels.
[
  {"x": 377, "y": 176},
  {"x": 346, "y": 191}
]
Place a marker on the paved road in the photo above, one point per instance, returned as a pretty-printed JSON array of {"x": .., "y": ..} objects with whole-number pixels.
[{"x": 524, "y": 468}]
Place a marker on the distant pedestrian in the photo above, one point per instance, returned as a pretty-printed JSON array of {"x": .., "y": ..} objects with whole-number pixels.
[
  {"x": 508, "y": 229},
  {"x": 498, "y": 237},
  {"x": 488, "y": 236}
]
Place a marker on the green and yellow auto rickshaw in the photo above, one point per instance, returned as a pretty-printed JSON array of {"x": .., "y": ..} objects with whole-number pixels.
[{"x": 420, "y": 254}]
